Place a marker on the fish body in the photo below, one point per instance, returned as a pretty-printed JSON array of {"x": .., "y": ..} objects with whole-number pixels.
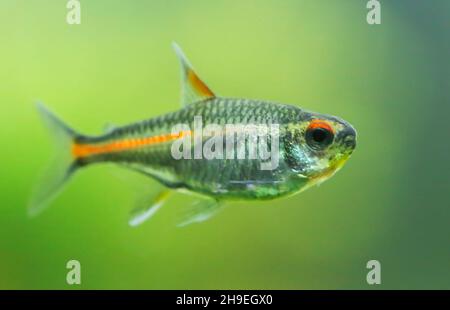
[{"x": 220, "y": 140}]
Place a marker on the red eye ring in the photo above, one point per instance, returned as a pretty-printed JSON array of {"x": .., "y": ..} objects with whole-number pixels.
[
  {"x": 319, "y": 135},
  {"x": 317, "y": 123}
]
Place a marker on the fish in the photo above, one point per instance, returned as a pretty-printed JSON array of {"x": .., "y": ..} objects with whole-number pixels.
[{"x": 218, "y": 149}]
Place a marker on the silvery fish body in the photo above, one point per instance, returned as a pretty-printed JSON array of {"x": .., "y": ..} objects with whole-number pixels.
[{"x": 219, "y": 148}]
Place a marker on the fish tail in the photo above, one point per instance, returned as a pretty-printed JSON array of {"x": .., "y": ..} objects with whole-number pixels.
[{"x": 61, "y": 167}]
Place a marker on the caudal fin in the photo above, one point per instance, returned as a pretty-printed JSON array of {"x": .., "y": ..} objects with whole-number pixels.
[{"x": 60, "y": 168}]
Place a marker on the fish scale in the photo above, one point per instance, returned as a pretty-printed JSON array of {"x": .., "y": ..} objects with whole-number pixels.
[{"x": 196, "y": 174}]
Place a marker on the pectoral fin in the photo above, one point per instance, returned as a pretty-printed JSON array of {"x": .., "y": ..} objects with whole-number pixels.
[{"x": 193, "y": 89}]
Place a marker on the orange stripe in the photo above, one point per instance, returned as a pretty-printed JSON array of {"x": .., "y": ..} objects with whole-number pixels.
[{"x": 84, "y": 150}]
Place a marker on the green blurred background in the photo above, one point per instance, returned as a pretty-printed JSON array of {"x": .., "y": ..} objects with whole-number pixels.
[{"x": 389, "y": 203}]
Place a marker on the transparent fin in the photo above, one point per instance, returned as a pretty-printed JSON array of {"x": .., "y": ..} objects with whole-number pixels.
[
  {"x": 146, "y": 210},
  {"x": 108, "y": 128},
  {"x": 193, "y": 89},
  {"x": 201, "y": 210},
  {"x": 60, "y": 168}
]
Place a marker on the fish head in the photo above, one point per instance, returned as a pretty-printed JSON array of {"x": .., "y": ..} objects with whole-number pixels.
[{"x": 318, "y": 146}]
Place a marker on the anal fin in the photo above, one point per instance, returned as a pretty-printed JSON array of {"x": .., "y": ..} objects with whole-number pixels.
[
  {"x": 145, "y": 211},
  {"x": 201, "y": 210}
]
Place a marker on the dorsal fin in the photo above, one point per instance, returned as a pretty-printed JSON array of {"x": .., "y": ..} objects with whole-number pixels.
[{"x": 193, "y": 89}]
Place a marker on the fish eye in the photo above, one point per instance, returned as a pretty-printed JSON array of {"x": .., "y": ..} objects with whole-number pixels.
[{"x": 319, "y": 135}]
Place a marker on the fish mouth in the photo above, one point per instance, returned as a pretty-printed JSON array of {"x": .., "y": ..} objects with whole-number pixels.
[
  {"x": 349, "y": 143},
  {"x": 347, "y": 139}
]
